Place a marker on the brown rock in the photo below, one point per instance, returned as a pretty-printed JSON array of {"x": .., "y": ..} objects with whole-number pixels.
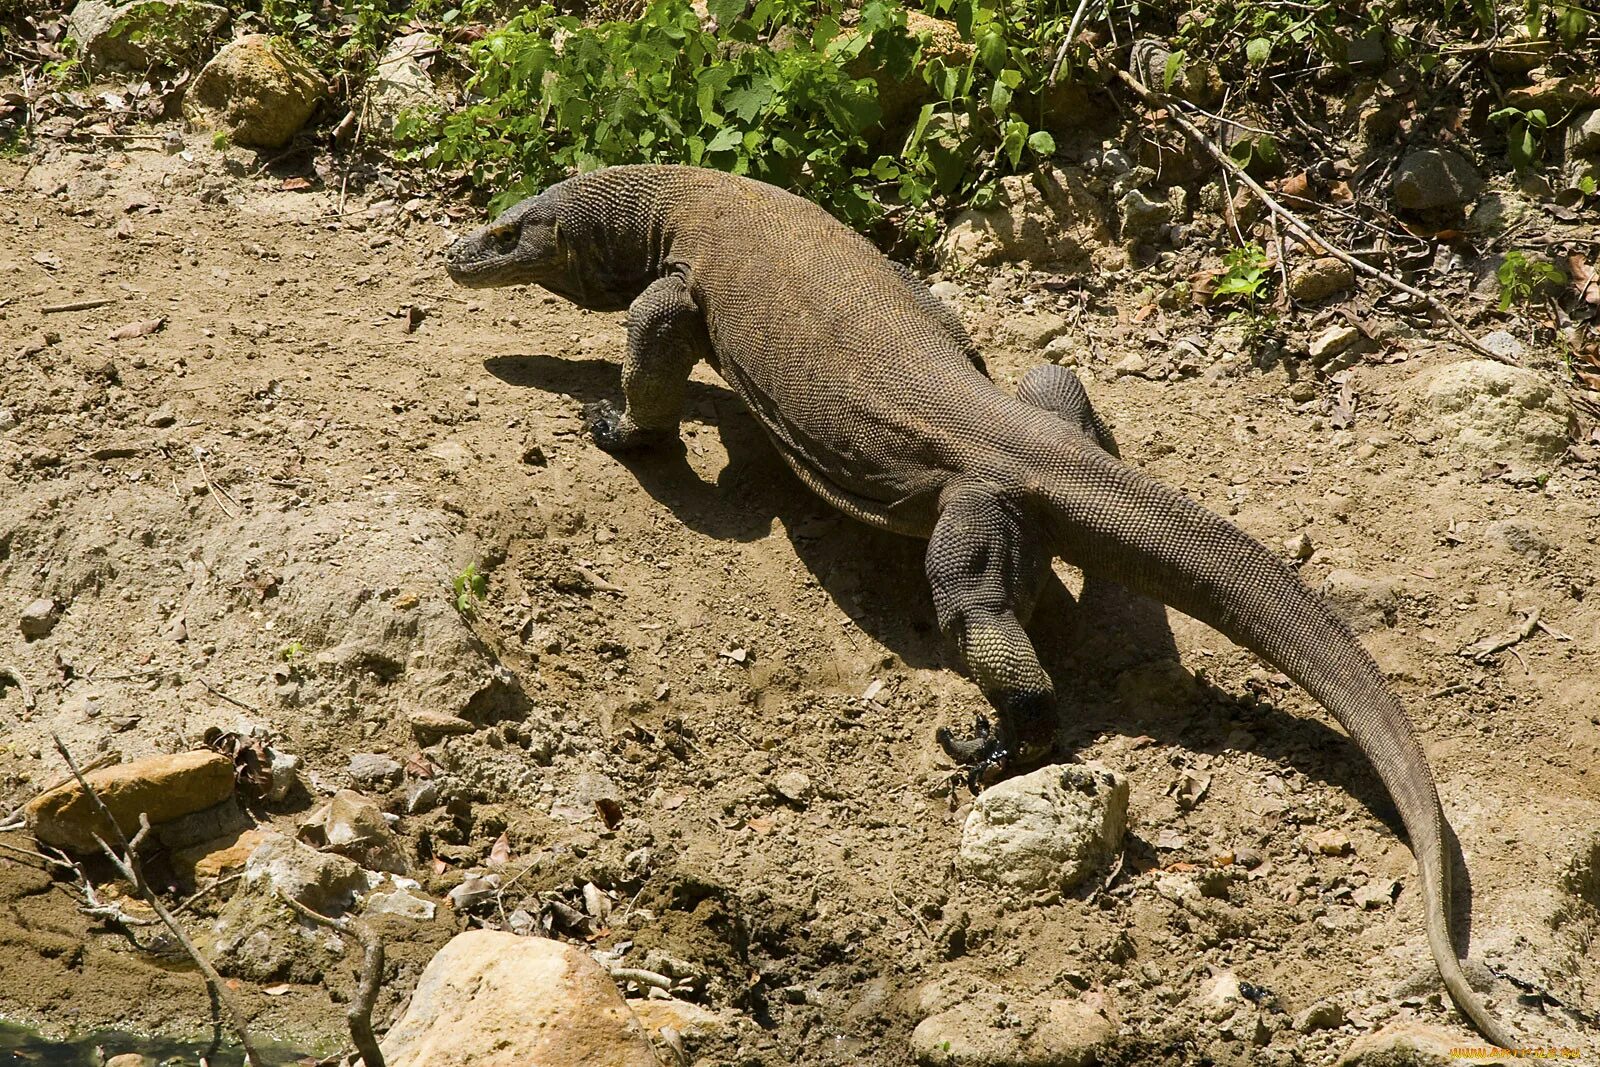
[
  {"x": 162, "y": 787},
  {"x": 218, "y": 858},
  {"x": 1320, "y": 279},
  {"x": 354, "y": 827},
  {"x": 428, "y": 725},
  {"x": 493, "y": 999},
  {"x": 258, "y": 90},
  {"x": 1049, "y": 216},
  {"x": 1408, "y": 1043},
  {"x": 689, "y": 1020}
]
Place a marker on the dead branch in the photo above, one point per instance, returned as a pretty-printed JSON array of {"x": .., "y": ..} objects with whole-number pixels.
[
  {"x": 1307, "y": 236},
  {"x": 127, "y": 864},
  {"x": 1482, "y": 650},
  {"x": 15, "y": 677},
  {"x": 359, "y": 1014}
]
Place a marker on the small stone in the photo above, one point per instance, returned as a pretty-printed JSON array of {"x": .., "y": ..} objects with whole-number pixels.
[
  {"x": 949, "y": 292},
  {"x": 1143, "y": 217},
  {"x": 284, "y": 770},
  {"x": 1033, "y": 330},
  {"x": 422, "y": 796},
  {"x": 128, "y": 1059},
  {"x": 1583, "y": 134},
  {"x": 1049, "y": 216},
  {"x": 1520, "y": 536},
  {"x": 1324, "y": 1015},
  {"x": 689, "y": 1020},
  {"x": 1332, "y": 341},
  {"x": 1133, "y": 364},
  {"x": 1376, "y": 894},
  {"x": 160, "y": 417},
  {"x": 1303, "y": 391},
  {"x": 1299, "y": 546},
  {"x": 1332, "y": 843},
  {"x": 533, "y": 452},
  {"x": 1319, "y": 279},
  {"x": 493, "y": 997},
  {"x": 8, "y": 420},
  {"x": 375, "y": 769},
  {"x": 794, "y": 786},
  {"x": 1367, "y": 604},
  {"x": 1428, "y": 179},
  {"x": 1046, "y": 830},
  {"x": 354, "y": 827},
  {"x": 429, "y": 725},
  {"x": 401, "y": 83},
  {"x": 1504, "y": 344},
  {"x": 989, "y": 1032},
  {"x": 163, "y": 787},
  {"x": 475, "y": 889},
  {"x": 38, "y": 618},
  {"x": 400, "y": 902},
  {"x": 321, "y": 881}
]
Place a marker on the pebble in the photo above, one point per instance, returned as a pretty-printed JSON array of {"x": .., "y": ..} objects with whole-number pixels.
[
  {"x": 38, "y": 618},
  {"x": 1320, "y": 279},
  {"x": 429, "y": 725},
  {"x": 160, "y": 417},
  {"x": 8, "y": 419},
  {"x": 1134, "y": 364},
  {"x": 1324, "y": 1015},
  {"x": 1047, "y": 830},
  {"x": 1504, "y": 344},
  {"x": 949, "y": 292},
  {"x": 373, "y": 768},
  {"x": 1332, "y": 341},
  {"x": 1299, "y": 546},
  {"x": 1332, "y": 843},
  {"x": 794, "y": 786}
]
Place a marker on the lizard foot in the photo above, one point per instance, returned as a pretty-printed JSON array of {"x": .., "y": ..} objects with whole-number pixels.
[
  {"x": 614, "y": 432},
  {"x": 984, "y": 753}
]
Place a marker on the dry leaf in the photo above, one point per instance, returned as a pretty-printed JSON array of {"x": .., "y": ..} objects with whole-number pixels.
[
  {"x": 500, "y": 854},
  {"x": 295, "y": 185},
  {"x": 138, "y": 329},
  {"x": 439, "y": 865},
  {"x": 278, "y": 990},
  {"x": 610, "y": 812},
  {"x": 1585, "y": 280}
]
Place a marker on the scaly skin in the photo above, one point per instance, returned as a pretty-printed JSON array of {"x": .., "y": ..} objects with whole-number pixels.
[{"x": 876, "y": 398}]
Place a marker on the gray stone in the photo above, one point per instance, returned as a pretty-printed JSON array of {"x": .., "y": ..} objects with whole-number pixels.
[
  {"x": 1046, "y": 217},
  {"x": 1047, "y": 830},
  {"x": 1033, "y": 330},
  {"x": 1504, "y": 344},
  {"x": 374, "y": 769},
  {"x": 323, "y": 882},
  {"x": 1320, "y": 278},
  {"x": 1583, "y": 134},
  {"x": 1520, "y": 536},
  {"x": 284, "y": 770},
  {"x": 1485, "y": 410},
  {"x": 1428, "y": 179},
  {"x": 400, "y": 902},
  {"x": 1367, "y": 604},
  {"x": 38, "y": 618},
  {"x": 8, "y": 420},
  {"x": 258, "y": 90},
  {"x": 988, "y": 1031},
  {"x": 794, "y": 786},
  {"x": 135, "y": 36},
  {"x": 1133, "y": 364},
  {"x": 492, "y": 997},
  {"x": 1324, "y": 1015},
  {"x": 401, "y": 83},
  {"x": 1142, "y": 216}
]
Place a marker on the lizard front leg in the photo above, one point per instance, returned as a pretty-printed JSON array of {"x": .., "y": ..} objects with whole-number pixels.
[
  {"x": 666, "y": 338},
  {"x": 986, "y": 570}
]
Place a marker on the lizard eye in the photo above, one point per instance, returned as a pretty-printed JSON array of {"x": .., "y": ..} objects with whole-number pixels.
[{"x": 504, "y": 239}]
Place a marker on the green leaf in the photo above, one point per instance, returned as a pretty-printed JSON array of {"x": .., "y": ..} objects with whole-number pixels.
[
  {"x": 1572, "y": 23},
  {"x": 726, "y": 12},
  {"x": 1016, "y": 135},
  {"x": 748, "y": 102},
  {"x": 1258, "y": 51},
  {"x": 1173, "y": 68},
  {"x": 992, "y": 51},
  {"x": 1042, "y": 143},
  {"x": 726, "y": 138}
]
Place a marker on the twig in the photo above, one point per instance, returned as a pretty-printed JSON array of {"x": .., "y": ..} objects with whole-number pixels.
[
  {"x": 215, "y": 885},
  {"x": 1482, "y": 650},
  {"x": 127, "y": 864},
  {"x": 1449, "y": 691},
  {"x": 1066, "y": 44},
  {"x": 359, "y": 1014},
  {"x": 21, "y": 683},
  {"x": 30, "y": 853},
  {"x": 232, "y": 700},
  {"x": 1296, "y": 226},
  {"x": 216, "y": 490},
  {"x": 914, "y": 917},
  {"x": 77, "y": 305}
]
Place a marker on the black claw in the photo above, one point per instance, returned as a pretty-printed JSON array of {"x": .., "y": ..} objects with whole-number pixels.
[
  {"x": 984, "y": 753},
  {"x": 602, "y": 420}
]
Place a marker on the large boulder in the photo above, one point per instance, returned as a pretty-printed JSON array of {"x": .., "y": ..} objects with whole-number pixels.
[
  {"x": 1049, "y": 216},
  {"x": 1488, "y": 411},
  {"x": 258, "y": 90},
  {"x": 1046, "y": 830},
  {"x": 143, "y": 33},
  {"x": 490, "y": 999},
  {"x": 164, "y": 788}
]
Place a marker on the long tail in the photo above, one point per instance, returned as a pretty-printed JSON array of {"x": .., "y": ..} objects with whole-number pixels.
[{"x": 1117, "y": 523}]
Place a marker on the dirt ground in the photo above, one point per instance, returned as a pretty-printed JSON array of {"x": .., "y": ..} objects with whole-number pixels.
[{"x": 322, "y": 410}]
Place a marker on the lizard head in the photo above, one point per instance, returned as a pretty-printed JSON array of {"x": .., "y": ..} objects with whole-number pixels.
[{"x": 523, "y": 246}]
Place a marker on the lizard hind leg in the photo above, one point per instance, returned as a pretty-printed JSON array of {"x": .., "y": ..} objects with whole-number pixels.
[
  {"x": 986, "y": 568},
  {"x": 666, "y": 338},
  {"x": 1057, "y": 389}
]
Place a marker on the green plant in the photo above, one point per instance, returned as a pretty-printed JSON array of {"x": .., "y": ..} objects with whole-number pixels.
[
  {"x": 220, "y": 140},
  {"x": 345, "y": 38},
  {"x": 782, "y": 91},
  {"x": 1523, "y": 279},
  {"x": 1524, "y": 134},
  {"x": 1246, "y": 273},
  {"x": 291, "y": 652},
  {"x": 470, "y": 589}
]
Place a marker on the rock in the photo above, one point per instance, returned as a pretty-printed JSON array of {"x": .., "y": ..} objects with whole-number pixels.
[
  {"x": 1046, "y": 830},
  {"x": 163, "y": 787},
  {"x": 403, "y": 903},
  {"x": 204, "y": 863},
  {"x": 1320, "y": 278},
  {"x": 258, "y": 90},
  {"x": 128, "y": 1059},
  {"x": 1332, "y": 843},
  {"x": 1324, "y": 1015},
  {"x": 428, "y": 725},
  {"x": 322, "y": 882},
  {"x": 578, "y": 804},
  {"x": 1142, "y": 217},
  {"x": 1033, "y": 330},
  {"x": 1133, "y": 365},
  {"x": 689, "y": 1020},
  {"x": 1367, "y": 604},
  {"x": 949, "y": 292},
  {"x": 1299, "y": 547},
  {"x": 1583, "y": 134},
  {"x": 1376, "y": 894},
  {"x": 1049, "y": 216},
  {"x": 1505, "y": 344},
  {"x": 1486, "y": 410},
  {"x": 1429, "y": 179},
  {"x": 989, "y": 1032},
  {"x": 374, "y": 769},
  {"x": 8, "y": 420},
  {"x": 1520, "y": 536},
  {"x": 161, "y": 417},
  {"x": 1332, "y": 341},
  {"x": 794, "y": 786},
  {"x": 144, "y": 33},
  {"x": 401, "y": 83},
  {"x": 283, "y": 769},
  {"x": 38, "y": 618},
  {"x": 1366, "y": 53},
  {"x": 490, "y": 997},
  {"x": 1221, "y": 996},
  {"x": 1407, "y": 1043},
  {"x": 355, "y": 828}
]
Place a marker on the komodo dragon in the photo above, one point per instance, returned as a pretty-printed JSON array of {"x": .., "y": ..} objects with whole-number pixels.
[{"x": 874, "y": 395}]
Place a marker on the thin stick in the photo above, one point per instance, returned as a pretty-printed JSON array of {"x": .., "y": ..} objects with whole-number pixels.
[
  {"x": 359, "y": 1015},
  {"x": 1296, "y": 226},
  {"x": 129, "y": 868},
  {"x": 21, "y": 683},
  {"x": 232, "y": 700},
  {"x": 77, "y": 305},
  {"x": 1072, "y": 35}
]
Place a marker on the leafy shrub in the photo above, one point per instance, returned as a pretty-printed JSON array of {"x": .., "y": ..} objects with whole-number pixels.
[{"x": 780, "y": 92}]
